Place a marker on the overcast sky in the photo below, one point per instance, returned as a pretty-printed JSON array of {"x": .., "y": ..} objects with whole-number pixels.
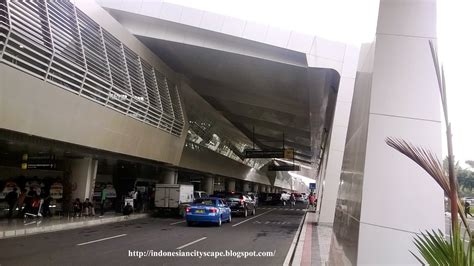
[{"x": 355, "y": 23}]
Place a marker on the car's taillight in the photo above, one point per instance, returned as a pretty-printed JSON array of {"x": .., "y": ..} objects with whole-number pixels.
[
  {"x": 188, "y": 209},
  {"x": 213, "y": 210}
]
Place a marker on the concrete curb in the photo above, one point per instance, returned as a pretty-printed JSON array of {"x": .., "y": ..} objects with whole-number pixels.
[{"x": 67, "y": 226}]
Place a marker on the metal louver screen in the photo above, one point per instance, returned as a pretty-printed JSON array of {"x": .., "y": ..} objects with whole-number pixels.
[
  {"x": 168, "y": 116},
  {"x": 139, "y": 101},
  {"x": 177, "y": 108},
  {"x": 155, "y": 111},
  {"x": 29, "y": 44},
  {"x": 58, "y": 43},
  {"x": 97, "y": 83},
  {"x": 68, "y": 65},
  {"x": 4, "y": 24}
]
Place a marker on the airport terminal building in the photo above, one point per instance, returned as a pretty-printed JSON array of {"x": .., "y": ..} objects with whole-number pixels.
[{"x": 129, "y": 94}]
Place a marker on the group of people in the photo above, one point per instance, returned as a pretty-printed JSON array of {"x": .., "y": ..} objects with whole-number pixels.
[
  {"x": 85, "y": 208},
  {"x": 28, "y": 203},
  {"x": 311, "y": 199}
]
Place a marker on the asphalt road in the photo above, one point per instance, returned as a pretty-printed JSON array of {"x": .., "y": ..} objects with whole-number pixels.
[{"x": 270, "y": 230}]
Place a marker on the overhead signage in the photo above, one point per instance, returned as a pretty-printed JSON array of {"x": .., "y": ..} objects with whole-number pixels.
[
  {"x": 292, "y": 167},
  {"x": 312, "y": 186},
  {"x": 289, "y": 154},
  {"x": 281, "y": 153},
  {"x": 38, "y": 162}
]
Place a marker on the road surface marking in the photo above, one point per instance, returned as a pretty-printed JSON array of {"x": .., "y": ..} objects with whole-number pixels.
[
  {"x": 102, "y": 239},
  {"x": 177, "y": 222},
  {"x": 251, "y": 218},
  {"x": 190, "y": 243}
]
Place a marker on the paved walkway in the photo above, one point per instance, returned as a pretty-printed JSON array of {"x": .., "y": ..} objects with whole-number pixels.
[
  {"x": 21, "y": 227},
  {"x": 313, "y": 243}
]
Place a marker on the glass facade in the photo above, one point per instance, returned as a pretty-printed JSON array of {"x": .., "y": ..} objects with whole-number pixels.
[{"x": 56, "y": 42}]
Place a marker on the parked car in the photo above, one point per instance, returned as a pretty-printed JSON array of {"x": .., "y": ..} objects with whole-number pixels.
[
  {"x": 253, "y": 197},
  {"x": 271, "y": 198},
  {"x": 305, "y": 196},
  {"x": 210, "y": 210},
  {"x": 240, "y": 204},
  {"x": 299, "y": 197}
]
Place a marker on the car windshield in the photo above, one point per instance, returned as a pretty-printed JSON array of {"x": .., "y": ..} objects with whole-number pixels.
[{"x": 209, "y": 202}]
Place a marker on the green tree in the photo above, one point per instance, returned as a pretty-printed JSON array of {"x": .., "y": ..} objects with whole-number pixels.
[{"x": 470, "y": 163}]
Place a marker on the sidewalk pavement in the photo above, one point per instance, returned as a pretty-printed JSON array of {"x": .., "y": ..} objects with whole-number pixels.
[
  {"x": 20, "y": 227},
  {"x": 313, "y": 243}
]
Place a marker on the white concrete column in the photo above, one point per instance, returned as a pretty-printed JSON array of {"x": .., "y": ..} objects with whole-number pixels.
[
  {"x": 400, "y": 98},
  {"x": 255, "y": 188},
  {"x": 209, "y": 185},
  {"x": 83, "y": 174},
  {"x": 246, "y": 186},
  {"x": 230, "y": 185},
  {"x": 169, "y": 176}
]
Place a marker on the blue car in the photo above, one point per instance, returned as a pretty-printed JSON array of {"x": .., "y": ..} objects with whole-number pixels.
[{"x": 211, "y": 210}]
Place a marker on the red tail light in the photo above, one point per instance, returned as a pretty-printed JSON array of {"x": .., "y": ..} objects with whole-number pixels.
[
  {"x": 188, "y": 209},
  {"x": 213, "y": 210}
]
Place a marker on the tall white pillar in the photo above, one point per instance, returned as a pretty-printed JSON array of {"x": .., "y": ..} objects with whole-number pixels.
[
  {"x": 169, "y": 176},
  {"x": 230, "y": 185},
  {"x": 83, "y": 174},
  {"x": 255, "y": 188},
  {"x": 209, "y": 185},
  {"x": 246, "y": 186},
  {"x": 381, "y": 190}
]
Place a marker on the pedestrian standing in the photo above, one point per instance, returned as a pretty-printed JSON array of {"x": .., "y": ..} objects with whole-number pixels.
[
  {"x": 21, "y": 202},
  {"x": 77, "y": 206}
]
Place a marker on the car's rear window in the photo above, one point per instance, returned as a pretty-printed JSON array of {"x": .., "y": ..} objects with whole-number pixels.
[
  {"x": 209, "y": 202},
  {"x": 232, "y": 198}
]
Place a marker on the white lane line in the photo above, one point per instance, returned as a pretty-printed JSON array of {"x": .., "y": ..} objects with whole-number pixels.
[
  {"x": 102, "y": 239},
  {"x": 190, "y": 243},
  {"x": 251, "y": 218},
  {"x": 177, "y": 222}
]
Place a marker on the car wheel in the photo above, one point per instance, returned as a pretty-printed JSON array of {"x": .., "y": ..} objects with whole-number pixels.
[
  {"x": 253, "y": 211},
  {"x": 189, "y": 223},
  {"x": 245, "y": 213},
  {"x": 219, "y": 222},
  {"x": 230, "y": 219}
]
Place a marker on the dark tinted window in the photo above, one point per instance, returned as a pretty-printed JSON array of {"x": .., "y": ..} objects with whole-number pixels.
[{"x": 210, "y": 202}]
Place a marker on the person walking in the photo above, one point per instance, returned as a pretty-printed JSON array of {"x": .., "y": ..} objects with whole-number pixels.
[
  {"x": 103, "y": 198},
  {"x": 467, "y": 209},
  {"x": 292, "y": 200},
  {"x": 11, "y": 198},
  {"x": 311, "y": 201}
]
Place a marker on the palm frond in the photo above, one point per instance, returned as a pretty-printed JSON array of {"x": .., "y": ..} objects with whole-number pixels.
[
  {"x": 424, "y": 158},
  {"x": 437, "y": 250},
  {"x": 432, "y": 165}
]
